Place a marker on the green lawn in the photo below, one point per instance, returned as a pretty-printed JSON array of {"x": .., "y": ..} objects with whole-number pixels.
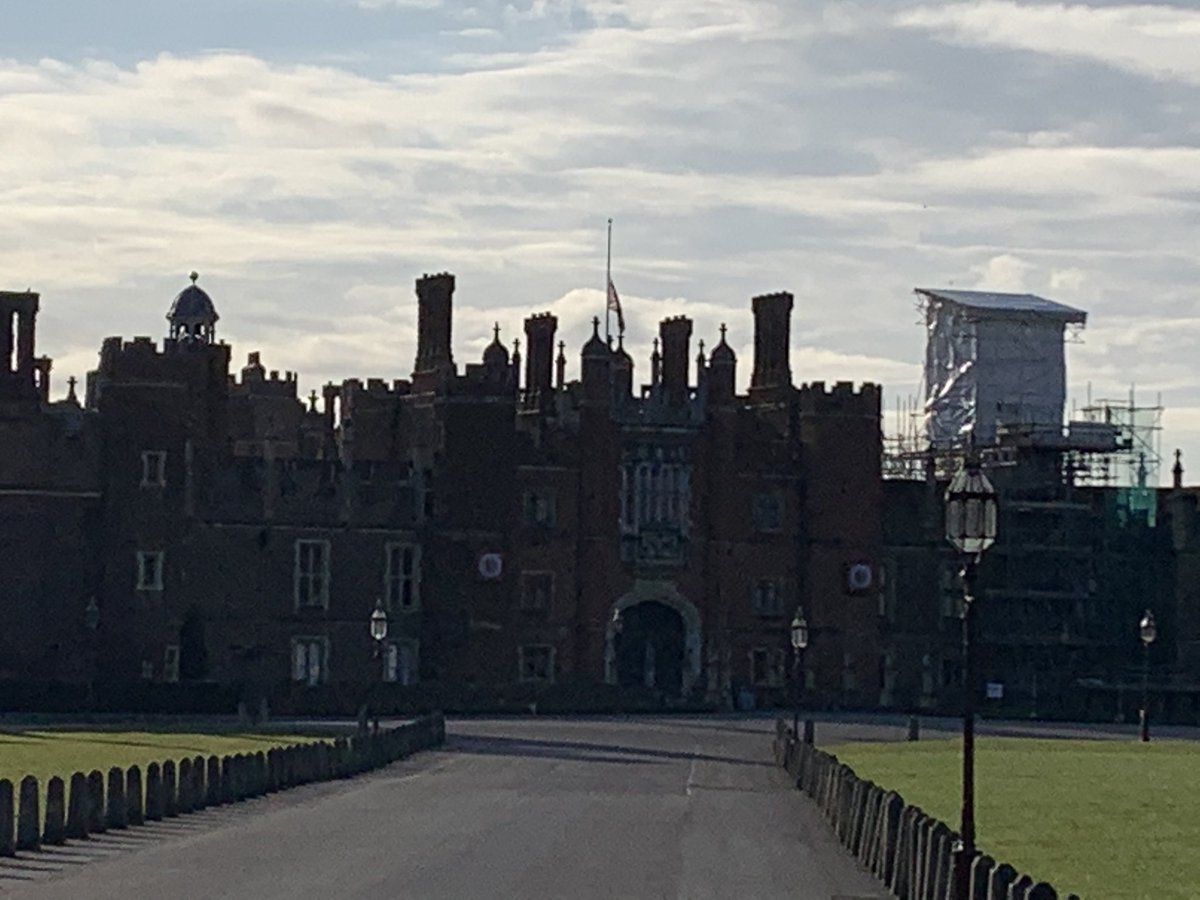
[
  {"x": 1105, "y": 819},
  {"x": 45, "y": 753}
]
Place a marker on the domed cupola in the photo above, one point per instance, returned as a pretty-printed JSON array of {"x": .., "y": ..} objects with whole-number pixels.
[
  {"x": 723, "y": 353},
  {"x": 495, "y": 355},
  {"x": 595, "y": 348},
  {"x": 722, "y": 367},
  {"x": 192, "y": 315},
  {"x": 622, "y": 370}
]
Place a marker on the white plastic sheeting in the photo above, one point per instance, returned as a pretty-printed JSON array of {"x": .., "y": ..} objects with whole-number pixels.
[{"x": 991, "y": 360}]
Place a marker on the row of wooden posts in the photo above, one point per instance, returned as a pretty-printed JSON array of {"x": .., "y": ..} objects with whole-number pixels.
[
  {"x": 94, "y": 803},
  {"x": 912, "y": 853}
]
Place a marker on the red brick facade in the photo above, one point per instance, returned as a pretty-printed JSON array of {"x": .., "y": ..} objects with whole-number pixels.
[{"x": 653, "y": 531}]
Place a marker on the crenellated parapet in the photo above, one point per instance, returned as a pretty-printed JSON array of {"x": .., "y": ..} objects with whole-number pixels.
[{"x": 841, "y": 399}]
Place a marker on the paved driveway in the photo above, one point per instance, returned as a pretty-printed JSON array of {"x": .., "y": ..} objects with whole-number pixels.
[{"x": 530, "y": 808}]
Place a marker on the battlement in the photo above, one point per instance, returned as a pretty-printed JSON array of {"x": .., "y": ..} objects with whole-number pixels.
[
  {"x": 142, "y": 359},
  {"x": 444, "y": 280},
  {"x": 841, "y": 398},
  {"x": 542, "y": 318},
  {"x": 785, "y": 297}
]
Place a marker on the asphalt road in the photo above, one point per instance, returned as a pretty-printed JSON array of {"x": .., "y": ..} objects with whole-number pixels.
[{"x": 529, "y": 808}]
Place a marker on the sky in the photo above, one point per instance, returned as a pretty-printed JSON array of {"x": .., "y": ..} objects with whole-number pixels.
[{"x": 312, "y": 158}]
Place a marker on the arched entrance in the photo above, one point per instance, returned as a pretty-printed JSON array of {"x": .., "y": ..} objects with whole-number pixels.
[
  {"x": 649, "y": 648},
  {"x": 652, "y": 639}
]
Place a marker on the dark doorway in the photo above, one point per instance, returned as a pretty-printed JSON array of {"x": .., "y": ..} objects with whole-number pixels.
[
  {"x": 193, "y": 651},
  {"x": 649, "y": 648}
]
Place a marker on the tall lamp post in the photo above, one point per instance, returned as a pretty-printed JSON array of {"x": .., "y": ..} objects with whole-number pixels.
[
  {"x": 1148, "y": 631},
  {"x": 799, "y": 642},
  {"x": 378, "y": 624},
  {"x": 971, "y": 528}
]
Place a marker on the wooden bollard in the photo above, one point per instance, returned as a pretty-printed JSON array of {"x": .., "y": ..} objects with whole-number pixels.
[
  {"x": 8, "y": 837},
  {"x": 809, "y": 731},
  {"x": 118, "y": 812},
  {"x": 154, "y": 793},
  {"x": 185, "y": 801},
  {"x": 199, "y": 797},
  {"x": 135, "y": 810},
  {"x": 212, "y": 782},
  {"x": 1001, "y": 880},
  {"x": 914, "y": 728},
  {"x": 78, "y": 801},
  {"x": 169, "y": 786},
  {"x": 29, "y": 832},
  {"x": 228, "y": 794},
  {"x": 54, "y": 827},
  {"x": 260, "y": 773},
  {"x": 1019, "y": 889},
  {"x": 96, "y": 823},
  {"x": 981, "y": 873}
]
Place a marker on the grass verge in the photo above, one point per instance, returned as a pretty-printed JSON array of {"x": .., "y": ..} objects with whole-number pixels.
[
  {"x": 1100, "y": 818},
  {"x": 45, "y": 753}
]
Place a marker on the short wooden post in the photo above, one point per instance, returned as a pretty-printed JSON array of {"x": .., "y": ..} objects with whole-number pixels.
[
  {"x": 199, "y": 796},
  {"x": 96, "y": 822},
  {"x": 8, "y": 835},
  {"x": 154, "y": 793},
  {"x": 170, "y": 797},
  {"x": 135, "y": 809},
  {"x": 185, "y": 802},
  {"x": 29, "y": 831},
  {"x": 78, "y": 801},
  {"x": 54, "y": 828},
  {"x": 118, "y": 812},
  {"x": 212, "y": 782}
]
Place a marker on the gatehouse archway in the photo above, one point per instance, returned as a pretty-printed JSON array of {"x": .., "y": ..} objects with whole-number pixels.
[{"x": 653, "y": 639}]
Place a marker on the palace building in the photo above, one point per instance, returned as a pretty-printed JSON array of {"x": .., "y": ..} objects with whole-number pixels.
[{"x": 647, "y": 527}]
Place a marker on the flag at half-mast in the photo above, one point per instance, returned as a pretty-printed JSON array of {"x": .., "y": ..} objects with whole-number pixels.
[{"x": 614, "y": 305}]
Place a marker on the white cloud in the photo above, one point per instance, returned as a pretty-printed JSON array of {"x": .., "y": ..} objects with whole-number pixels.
[
  {"x": 741, "y": 148},
  {"x": 1149, "y": 39},
  {"x": 1003, "y": 273}
]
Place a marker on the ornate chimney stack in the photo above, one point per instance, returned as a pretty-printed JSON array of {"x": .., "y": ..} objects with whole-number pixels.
[
  {"x": 435, "y": 302},
  {"x": 539, "y": 357},
  {"x": 676, "y": 334},
  {"x": 772, "y": 340}
]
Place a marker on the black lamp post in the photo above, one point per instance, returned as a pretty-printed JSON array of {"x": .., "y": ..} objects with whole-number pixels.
[
  {"x": 1148, "y": 631},
  {"x": 799, "y": 642},
  {"x": 971, "y": 528},
  {"x": 378, "y": 624}
]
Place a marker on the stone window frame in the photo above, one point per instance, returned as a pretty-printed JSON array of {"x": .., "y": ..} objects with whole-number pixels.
[
  {"x": 395, "y": 583},
  {"x": 762, "y": 523},
  {"x": 528, "y": 578},
  {"x": 400, "y": 662},
  {"x": 770, "y": 673},
  {"x": 771, "y": 610},
  {"x": 305, "y": 578},
  {"x": 148, "y": 573},
  {"x": 154, "y": 469},
  {"x": 301, "y": 669},
  {"x": 539, "y": 507},
  {"x": 524, "y": 652}
]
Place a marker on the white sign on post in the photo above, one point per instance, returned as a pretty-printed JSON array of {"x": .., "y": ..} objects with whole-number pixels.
[{"x": 995, "y": 690}]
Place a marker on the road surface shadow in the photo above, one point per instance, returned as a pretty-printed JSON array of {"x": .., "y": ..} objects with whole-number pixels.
[{"x": 498, "y": 745}]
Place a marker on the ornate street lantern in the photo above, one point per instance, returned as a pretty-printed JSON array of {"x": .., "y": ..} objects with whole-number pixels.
[
  {"x": 379, "y": 622},
  {"x": 971, "y": 510},
  {"x": 799, "y": 630},
  {"x": 1147, "y": 629}
]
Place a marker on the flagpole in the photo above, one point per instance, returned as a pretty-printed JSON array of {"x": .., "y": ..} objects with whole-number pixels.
[{"x": 608, "y": 288}]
